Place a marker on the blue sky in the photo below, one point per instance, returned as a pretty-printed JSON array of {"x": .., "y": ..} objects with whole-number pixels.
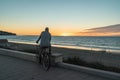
[{"x": 76, "y": 15}]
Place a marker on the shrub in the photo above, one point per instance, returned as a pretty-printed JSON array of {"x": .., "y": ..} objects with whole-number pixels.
[{"x": 96, "y": 65}]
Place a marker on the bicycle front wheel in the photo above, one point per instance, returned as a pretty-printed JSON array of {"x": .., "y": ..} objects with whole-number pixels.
[{"x": 46, "y": 61}]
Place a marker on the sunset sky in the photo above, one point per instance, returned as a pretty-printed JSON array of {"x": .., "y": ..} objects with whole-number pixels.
[{"x": 63, "y": 17}]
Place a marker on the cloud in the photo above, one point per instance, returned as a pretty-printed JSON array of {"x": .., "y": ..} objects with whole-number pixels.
[
  {"x": 107, "y": 29},
  {"x": 112, "y": 30}
]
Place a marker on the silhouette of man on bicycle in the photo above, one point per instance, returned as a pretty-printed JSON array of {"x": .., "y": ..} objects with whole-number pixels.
[{"x": 45, "y": 39}]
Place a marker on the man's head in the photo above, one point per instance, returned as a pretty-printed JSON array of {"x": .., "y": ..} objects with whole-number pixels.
[{"x": 46, "y": 29}]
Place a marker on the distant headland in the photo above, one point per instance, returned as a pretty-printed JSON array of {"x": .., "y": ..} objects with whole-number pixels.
[{"x": 6, "y": 33}]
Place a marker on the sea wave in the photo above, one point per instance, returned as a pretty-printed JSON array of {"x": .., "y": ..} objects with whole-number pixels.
[{"x": 100, "y": 43}]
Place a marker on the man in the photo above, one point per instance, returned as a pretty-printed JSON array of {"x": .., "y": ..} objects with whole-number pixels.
[{"x": 44, "y": 38}]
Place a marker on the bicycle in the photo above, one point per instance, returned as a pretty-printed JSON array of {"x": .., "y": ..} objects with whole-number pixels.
[{"x": 44, "y": 58}]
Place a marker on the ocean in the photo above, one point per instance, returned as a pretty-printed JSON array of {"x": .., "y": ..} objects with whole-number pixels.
[{"x": 102, "y": 42}]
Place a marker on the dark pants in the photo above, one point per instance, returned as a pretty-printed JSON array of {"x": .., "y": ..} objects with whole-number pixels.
[{"x": 40, "y": 49}]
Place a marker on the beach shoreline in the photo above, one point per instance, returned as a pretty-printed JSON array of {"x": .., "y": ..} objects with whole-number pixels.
[{"x": 108, "y": 50}]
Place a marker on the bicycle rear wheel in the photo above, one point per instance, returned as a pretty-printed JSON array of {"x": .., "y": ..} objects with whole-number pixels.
[{"x": 46, "y": 61}]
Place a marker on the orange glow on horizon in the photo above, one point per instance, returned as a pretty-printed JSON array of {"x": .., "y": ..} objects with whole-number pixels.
[
  {"x": 66, "y": 34},
  {"x": 57, "y": 31}
]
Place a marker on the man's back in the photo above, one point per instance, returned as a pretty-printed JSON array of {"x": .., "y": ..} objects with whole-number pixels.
[{"x": 45, "y": 39}]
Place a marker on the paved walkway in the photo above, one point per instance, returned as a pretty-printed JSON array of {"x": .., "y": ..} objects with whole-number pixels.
[{"x": 18, "y": 69}]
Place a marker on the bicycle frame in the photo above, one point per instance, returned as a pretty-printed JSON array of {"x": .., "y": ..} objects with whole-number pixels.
[{"x": 44, "y": 57}]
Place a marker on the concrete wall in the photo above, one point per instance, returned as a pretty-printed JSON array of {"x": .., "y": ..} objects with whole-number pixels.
[
  {"x": 18, "y": 54},
  {"x": 104, "y": 57}
]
